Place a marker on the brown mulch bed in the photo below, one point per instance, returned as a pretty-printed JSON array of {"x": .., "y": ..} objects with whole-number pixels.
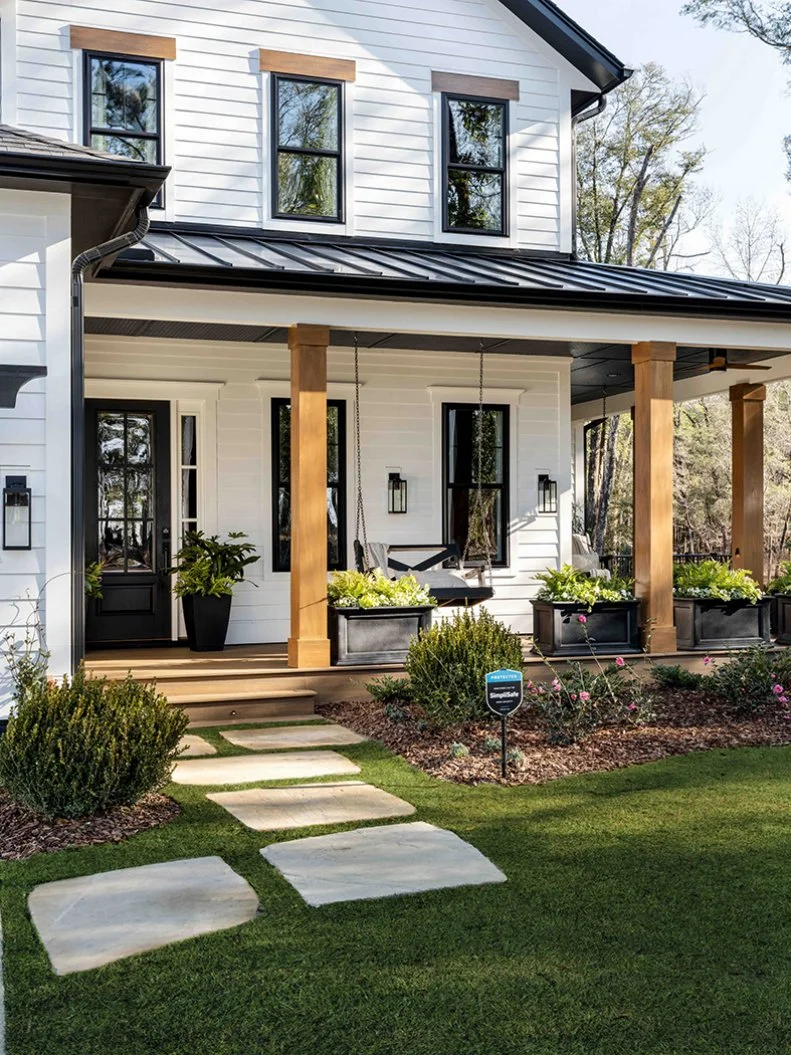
[
  {"x": 685, "y": 721},
  {"x": 24, "y": 833}
]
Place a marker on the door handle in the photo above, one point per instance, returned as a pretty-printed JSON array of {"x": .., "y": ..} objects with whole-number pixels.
[{"x": 165, "y": 550}]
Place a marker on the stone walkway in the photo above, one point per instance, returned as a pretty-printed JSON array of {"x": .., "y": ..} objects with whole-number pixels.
[
  {"x": 310, "y": 805},
  {"x": 97, "y": 919}
]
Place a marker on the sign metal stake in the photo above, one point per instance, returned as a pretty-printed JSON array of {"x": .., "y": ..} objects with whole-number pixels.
[{"x": 504, "y": 695}]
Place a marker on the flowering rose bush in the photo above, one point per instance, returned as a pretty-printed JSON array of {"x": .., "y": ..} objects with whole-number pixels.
[
  {"x": 753, "y": 681},
  {"x": 582, "y": 699}
]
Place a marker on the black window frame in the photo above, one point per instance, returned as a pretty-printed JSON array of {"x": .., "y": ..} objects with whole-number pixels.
[
  {"x": 448, "y": 165},
  {"x": 504, "y": 488},
  {"x": 89, "y": 130},
  {"x": 276, "y": 149},
  {"x": 285, "y": 566}
]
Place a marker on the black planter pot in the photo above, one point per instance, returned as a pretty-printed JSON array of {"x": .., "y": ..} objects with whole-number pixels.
[
  {"x": 206, "y": 620},
  {"x": 3, "y": 726},
  {"x": 611, "y": 628},
  {"x": 359, "y": 636},
  {"x": 704, "y": 625},
  {"x": 781, "y": 603}
]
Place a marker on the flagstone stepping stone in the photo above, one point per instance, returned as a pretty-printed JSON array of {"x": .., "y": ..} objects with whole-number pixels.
[
  {"x": 380, "y": 862},
  {"x": 305, "y": 805},
  {"x": 304, "y": 736},
  {"x": 97, "y": 919},
  {"x": 251, "y": 769},
  {"x": 194, "y": 746}
]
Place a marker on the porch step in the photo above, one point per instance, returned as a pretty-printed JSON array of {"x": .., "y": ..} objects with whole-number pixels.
[{"x": 205, "y": 708}]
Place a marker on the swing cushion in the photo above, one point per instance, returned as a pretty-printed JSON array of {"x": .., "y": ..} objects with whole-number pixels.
[{"x": 442, "y": 579}]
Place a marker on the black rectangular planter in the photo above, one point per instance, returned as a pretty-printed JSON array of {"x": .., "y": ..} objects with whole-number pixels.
[
  {"x": 206, "y": 621},
  {"x": 359, "y": 636},
  {"x": 704, "y": 625},
  {"x": 781, "y": 602},
  {"x": 612, "y": 627}
]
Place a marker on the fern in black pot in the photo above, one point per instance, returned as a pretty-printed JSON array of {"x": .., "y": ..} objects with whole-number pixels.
[{"x": 206, "y": 570}]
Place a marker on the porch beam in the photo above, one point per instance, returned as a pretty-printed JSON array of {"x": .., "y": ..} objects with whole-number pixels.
[
  {"x": 747, "y": 411},
  {"x": 308, "y": 643},
  {"x": 653, "y": 492}
]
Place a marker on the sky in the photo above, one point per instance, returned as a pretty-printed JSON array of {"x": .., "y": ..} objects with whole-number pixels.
[{"x": 747, "y": 106}]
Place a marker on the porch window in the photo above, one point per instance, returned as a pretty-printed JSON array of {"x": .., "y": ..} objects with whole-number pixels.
[
  {"x": 478, "y": 526},
  {"x": 307, "y": 158},
  {"x": 474, "y": 146},
  {"x": 281, "y": 484}
]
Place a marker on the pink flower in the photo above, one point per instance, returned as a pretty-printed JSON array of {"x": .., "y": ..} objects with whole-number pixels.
[
  {"x": 556, "y": 685},
  {"x": 585, "y": 696},
  {"x": 573, "y": 695},
  {"x": 620, "y": 661},
  {"x": 632, "y": 707},
  {"x": 707, "y": 660},
  {"x": 541, "y": 690},
  {"x": 783, "y": 699},
  {"x": 582, "y": 618},
  {"x": 778, "y": 690}
]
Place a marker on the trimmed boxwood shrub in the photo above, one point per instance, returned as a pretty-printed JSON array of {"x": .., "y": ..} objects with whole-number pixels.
[
  {"x": 82, "y": 746},
  {"x": 447, "y": 665}
]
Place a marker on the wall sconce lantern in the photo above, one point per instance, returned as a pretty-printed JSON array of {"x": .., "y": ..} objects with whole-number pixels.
[
  {"x": 547, "y": 494},
  {"x": 17, "y": 520},
  {"x": 396, "y": 493}
]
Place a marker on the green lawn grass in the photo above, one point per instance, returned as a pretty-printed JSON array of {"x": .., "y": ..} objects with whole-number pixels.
[{"x": 646, "y": 911}]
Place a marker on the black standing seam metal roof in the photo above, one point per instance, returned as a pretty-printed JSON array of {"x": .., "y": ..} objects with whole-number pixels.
[{"x": 260, "y": 260}]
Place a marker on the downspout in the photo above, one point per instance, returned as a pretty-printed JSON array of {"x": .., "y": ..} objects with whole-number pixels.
[
  {"x": 79, "y": 266},
  {"x": 576, "y": 120}
]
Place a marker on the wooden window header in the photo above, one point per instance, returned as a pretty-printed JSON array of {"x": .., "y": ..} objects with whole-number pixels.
[
  {"x": 307, "y": 65},
  {"x": 463, "y": 84},
  {"x": 138, "y": 45}
]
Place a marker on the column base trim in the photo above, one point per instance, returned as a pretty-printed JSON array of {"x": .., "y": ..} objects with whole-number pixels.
[
  {"x": 308, "y": 653},
  {"x": 660, "y": 639}
]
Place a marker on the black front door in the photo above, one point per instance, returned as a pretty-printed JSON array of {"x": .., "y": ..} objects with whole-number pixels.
[{"x": 127, "y": 519}]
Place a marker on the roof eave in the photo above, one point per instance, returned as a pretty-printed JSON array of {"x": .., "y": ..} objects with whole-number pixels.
[{"x": 148, "y": 179}]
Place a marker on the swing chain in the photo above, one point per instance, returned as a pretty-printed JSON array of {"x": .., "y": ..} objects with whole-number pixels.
[
  {"x": 479, "y": 506},
  {"x": 361, "y": 531}
]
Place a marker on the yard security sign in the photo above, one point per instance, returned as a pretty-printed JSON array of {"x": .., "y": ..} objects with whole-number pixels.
[{"x": 504, "y": 695}]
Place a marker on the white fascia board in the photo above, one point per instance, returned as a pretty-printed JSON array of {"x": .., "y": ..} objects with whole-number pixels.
[
  {"x": 691, "y": 388},
  {"x": 166, "y": 303}
]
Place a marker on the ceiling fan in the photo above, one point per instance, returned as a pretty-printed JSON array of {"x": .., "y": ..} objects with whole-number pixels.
[{"x": 718, "y": 360}]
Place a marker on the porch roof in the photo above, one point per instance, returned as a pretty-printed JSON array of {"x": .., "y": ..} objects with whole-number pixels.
[{"x": 196, "y": 255}]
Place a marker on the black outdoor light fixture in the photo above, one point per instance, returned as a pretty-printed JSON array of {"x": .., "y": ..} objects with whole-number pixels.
[
  {"x": 396, "y": 493},
  {"x": 17, "y": 520},
  {"x": 547, "y": 494}
]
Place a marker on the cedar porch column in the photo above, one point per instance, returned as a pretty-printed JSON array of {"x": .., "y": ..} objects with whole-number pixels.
[
  {"x": 653, "y": 490},
  {"x": 308, "y": 645},
  {"x": 747, "y": 408}
]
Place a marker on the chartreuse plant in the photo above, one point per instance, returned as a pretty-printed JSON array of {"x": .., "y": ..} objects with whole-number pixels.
[
  {"x": 208, "y": 567},
  {"x": 572, "y": 584},
  {"x": 83, "y": 745},
  {"x": 715, "y": 580},
  {"x": 781, "y": 584},
  {"x": 356, "y": 589}
]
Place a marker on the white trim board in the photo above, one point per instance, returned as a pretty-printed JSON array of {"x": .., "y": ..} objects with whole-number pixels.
[
  {"x": 127, "y": 388},
  {"x": 470, "y": 393}
]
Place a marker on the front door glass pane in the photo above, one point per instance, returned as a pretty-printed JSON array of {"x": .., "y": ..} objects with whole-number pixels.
[{"x": 126, "y": 489}]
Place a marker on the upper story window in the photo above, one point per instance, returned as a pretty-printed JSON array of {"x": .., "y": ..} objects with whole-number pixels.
[
  {"x": 475, "y": 135},
  {"x": 123, "y": 106},
  {"x": 307, "y": 154}
]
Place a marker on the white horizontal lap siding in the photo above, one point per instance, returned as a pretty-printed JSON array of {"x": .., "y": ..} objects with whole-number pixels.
[
  {"x": 217, "y": 101},
  {"x": 34, "y": 331},
  {"x": 400, "y": 419}
]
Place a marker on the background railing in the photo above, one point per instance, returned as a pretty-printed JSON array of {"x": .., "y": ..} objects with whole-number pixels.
[{"x": 622, "y": 563}]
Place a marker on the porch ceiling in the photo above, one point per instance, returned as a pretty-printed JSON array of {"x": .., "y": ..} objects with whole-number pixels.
[{"x": 594, "y": 369}]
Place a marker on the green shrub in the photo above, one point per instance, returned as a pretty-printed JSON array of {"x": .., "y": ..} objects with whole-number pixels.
[
  {"x": 753, "y": 681},
  {"x": 572, "y": 584},
  {"x": 388, "y": 689},
  {"x": 715, "y": 580},
  {"x": 82, "y": 746},
  {"x": 492, "y": 744},
  {"x": 675, "y": 677},
  {"x": 584, "y": 699},
  {"x": 782, "y": 584},
  {"x": 357, "y": 589},
  {"x": 207, "y": 567},
  {"x": 458, "y": 750},
  {"x": 448, "y": 663}
]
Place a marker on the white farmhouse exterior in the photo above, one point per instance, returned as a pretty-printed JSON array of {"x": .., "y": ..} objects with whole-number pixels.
[{"x": 395, "y": 176}]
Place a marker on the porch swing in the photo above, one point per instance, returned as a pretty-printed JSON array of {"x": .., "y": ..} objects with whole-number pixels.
[{"x": 442, "y": 569}]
